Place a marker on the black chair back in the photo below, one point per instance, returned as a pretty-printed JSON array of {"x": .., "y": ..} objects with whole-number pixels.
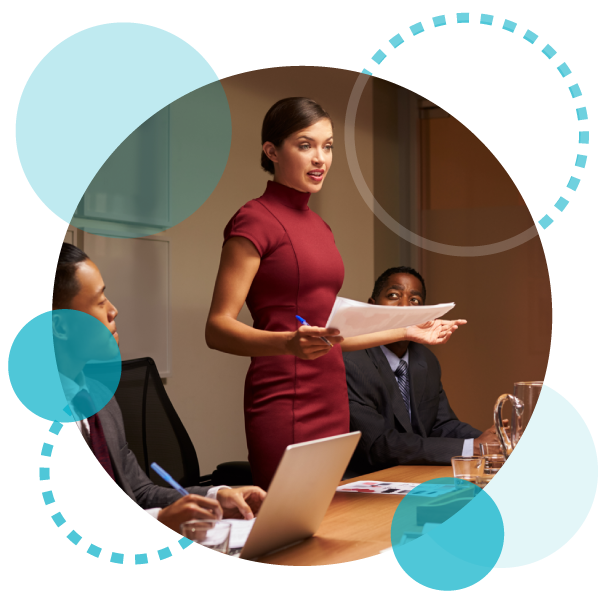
[{"x": 154, "y": 431}]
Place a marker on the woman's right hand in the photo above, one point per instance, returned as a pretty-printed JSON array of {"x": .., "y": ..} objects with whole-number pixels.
[
  {"x": 306, "y": 342},
  {"x": 240, "y": 262}
]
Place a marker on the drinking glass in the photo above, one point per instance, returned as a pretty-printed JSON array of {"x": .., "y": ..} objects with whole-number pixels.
[
  {"x": 209, "y": 533},
  {"x": 467, "y": 467},
  {"x": 482, "y": 480},
  {"x": 493, "y": 456}
]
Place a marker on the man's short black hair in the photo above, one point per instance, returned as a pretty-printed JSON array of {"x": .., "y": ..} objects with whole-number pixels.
[
  {"x": 382, "y": 280},
  {"x": 66, "y": 286}
]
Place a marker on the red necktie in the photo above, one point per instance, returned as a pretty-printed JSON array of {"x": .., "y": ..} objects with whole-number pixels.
[{"x": 97, "y": 439}]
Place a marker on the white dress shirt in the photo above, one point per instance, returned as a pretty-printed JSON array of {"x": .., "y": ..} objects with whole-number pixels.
[
  {"x": 394, "y": 361},
  {"x": 71, "y": 389}
]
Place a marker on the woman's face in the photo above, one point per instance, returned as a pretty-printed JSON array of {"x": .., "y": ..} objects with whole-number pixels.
[{"x": 303, "y": 160}]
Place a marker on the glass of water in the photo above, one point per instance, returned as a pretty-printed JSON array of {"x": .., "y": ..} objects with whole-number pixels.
[
  {"x": 209, "y": 533},
  {"x": 467, "y": 467},
  {"x": 492, "y": 453}
]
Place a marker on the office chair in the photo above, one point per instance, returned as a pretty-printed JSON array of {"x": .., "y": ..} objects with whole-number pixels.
[{"x": 155, "y": 432}]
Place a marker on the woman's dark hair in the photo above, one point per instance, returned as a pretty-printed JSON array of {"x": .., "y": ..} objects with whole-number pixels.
[
  {"x": 286, "y": 117},
  {"x": 66, "y": 286}
]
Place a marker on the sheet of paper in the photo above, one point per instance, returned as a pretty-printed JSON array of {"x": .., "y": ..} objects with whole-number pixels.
[
  {"x": 357, "y": 318},
  {"x": 240, "y": 530},
  {"x": 429, "y": 490}
]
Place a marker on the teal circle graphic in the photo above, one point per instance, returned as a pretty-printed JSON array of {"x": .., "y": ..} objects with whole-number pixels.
[
  {"x": 550, "y": 53},
  {"x": 537, "y": 525},
  {"x": 163, "y": 172},
  {"x": 415, "y": 526},
  {"x": 109, "y": 121},
  {"x": 55, "y": 356}
]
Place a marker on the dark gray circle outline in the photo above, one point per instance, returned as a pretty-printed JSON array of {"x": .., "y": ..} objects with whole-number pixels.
[{"x": 389, "y": 221}]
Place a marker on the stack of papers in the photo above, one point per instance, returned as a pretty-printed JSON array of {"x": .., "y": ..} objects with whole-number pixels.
[{"x": 359, "y": 318}]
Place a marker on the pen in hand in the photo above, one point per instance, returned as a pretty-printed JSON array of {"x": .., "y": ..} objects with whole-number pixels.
[
  {"x": 307, "y": 325},
  {"x": 169, "y": 479}
]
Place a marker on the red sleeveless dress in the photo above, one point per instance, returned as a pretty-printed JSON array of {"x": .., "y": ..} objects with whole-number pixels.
[{"x": 288, "y": 400}]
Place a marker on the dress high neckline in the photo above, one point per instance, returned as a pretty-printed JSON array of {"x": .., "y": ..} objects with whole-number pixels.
[{"x": 287, "y": 195}]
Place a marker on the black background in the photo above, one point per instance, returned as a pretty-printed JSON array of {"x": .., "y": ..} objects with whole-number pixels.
[{"x": 499, "y": 86}]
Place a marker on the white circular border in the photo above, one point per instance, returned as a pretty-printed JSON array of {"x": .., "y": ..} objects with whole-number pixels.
[{"x": 549, "y": 51}]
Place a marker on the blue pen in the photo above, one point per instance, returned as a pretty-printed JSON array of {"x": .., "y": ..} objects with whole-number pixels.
[
  {"x": 169, "y": 479},
  {"x": 307, "y": 325},
  {"x": 180, "y": 489}
]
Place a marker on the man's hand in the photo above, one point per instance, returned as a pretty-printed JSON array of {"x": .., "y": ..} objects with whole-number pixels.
[
  {"x": 241, "y": 502},
  {"x": 188, "y": 508},
  {"x": 433, "y": 332},
  {"x": 489, "y": 436}
]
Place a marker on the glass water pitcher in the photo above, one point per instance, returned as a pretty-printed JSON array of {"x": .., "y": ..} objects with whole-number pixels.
[{"x": 523, "y": 401}]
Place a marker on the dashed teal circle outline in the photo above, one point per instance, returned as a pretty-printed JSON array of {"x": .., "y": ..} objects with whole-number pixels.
[
  {"x": 74, "y": 537},
  {"x": 549, "y": 52}
]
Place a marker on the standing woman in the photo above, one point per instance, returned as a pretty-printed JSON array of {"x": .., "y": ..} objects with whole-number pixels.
[{"x": 280, "y": 258}]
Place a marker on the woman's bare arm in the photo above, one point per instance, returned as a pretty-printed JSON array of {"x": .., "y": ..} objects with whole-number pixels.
[
  {"x": 431, "y": 333},
  {"x": 240, "y": 261}
]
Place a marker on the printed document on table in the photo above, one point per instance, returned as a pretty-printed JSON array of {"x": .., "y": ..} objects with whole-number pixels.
[
  {"x": 428, "y": 490},
  {"x": 358, "y": 318}
]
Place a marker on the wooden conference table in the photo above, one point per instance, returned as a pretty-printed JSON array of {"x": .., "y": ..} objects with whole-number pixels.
[{"x": 356, "y": 525}]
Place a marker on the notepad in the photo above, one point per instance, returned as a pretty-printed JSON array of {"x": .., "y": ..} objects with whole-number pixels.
[{"x": 359, "y": 318}]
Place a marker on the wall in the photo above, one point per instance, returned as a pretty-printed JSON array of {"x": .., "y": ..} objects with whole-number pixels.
[
  {"x": 462, "y": 196},
  {"x": 469, "y": 199},
  {"x": 396, "y": 173}
]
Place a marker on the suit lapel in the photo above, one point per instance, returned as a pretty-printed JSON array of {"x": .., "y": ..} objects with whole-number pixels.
[
  {"x": 112, "y": 443},
  {"x": 392, "y": 390}
]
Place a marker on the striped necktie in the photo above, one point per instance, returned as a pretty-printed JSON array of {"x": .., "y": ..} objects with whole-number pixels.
[
  {"x": 97, "y": 439},
  {"x": 401, "y": 374}
]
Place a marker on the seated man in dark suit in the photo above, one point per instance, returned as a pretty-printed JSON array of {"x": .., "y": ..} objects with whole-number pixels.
[
  {"x": 396, "y": 396},
  {"x": 78, "y": 285}
]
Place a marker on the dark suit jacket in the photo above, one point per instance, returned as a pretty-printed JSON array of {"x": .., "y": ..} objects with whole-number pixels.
[
  {"x": 378, "y": 411},
  {"x": 128, "y": 473}
]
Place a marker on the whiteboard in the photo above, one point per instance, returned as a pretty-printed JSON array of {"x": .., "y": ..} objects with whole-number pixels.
[{"x": 136, "y": 274}]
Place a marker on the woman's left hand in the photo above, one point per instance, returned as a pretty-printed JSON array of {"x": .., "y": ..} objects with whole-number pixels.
[{"x": 433, "y": 332}]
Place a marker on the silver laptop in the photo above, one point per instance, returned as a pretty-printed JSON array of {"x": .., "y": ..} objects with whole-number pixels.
[{"x": 300, "y": 493}]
